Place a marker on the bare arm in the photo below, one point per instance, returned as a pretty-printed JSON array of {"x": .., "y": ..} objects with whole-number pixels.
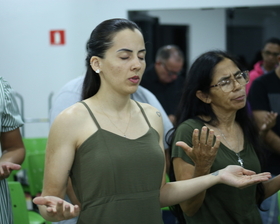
[
  {"x": 271, "y": 186},
  {"x": 60, "y": 152},
  {"x": 203, "y": 156},
  {"x": 181, "y": 191},
  {"x": 185, "y": 171},
  {"x": 236, "y": 176},
  {"x": 13, "y": 152}
]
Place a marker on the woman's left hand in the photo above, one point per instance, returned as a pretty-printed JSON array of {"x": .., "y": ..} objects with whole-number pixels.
[{"x": 203, "y": 152}]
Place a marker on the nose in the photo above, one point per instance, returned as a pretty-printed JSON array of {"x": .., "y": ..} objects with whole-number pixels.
[
  {"x": 236, "y": 85},
  {"x": 137, "y": 64}
]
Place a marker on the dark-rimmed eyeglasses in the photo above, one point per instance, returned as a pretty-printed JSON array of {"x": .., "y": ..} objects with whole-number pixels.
[
  {"x": 171, "y": 73},
  {"x": 269, "y": 53},
  {"x": 228, "y": 83}
]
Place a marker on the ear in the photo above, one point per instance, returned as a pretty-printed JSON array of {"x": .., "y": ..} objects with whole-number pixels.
[
  {"x": 95, "y": 63},
  {"x": 203, "y": 96}
]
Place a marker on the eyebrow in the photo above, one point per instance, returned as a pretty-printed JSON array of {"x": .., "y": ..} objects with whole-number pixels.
[
  {"x": 227, "y": 77},
  {"x": 125, "y": 49}
]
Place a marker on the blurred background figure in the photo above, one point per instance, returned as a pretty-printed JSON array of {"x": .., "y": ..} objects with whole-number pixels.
[
  {"x": 12, "y": 148},
  {"x": 164, "y": 78},
  {"x": 264, "y": 98},
  {"x": 270, "y": 51}
]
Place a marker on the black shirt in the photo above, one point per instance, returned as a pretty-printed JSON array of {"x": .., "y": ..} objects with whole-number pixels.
[{"x": 168, "y": 94}]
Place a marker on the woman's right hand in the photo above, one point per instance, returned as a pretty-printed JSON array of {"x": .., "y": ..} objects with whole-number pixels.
[
  {"x": 203, "y": 152},
  {"x": 56, "y": 208}
]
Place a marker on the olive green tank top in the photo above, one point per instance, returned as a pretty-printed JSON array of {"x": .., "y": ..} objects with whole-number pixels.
[{"x": 116, "y": 179}]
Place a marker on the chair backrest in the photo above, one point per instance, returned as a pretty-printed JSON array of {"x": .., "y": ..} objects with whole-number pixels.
[
  {"x": 36, "y": 164},
  {"x": 33, "y": 145},
  {"x": 19, "y": 208}
]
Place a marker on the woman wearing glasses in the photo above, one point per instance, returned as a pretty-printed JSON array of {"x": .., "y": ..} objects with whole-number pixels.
[{"x": 214, "y": 101}]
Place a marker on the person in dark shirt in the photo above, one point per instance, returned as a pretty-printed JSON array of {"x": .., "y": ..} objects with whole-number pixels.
[{"x": 164, "y": 78}]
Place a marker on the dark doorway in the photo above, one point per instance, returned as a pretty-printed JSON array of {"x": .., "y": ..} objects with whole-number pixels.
[
  {"x": 156, "y": 35},
  {"x": 244, "y": 42}
]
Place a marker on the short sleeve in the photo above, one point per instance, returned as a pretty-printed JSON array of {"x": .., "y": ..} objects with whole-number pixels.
[
  {"x": 10, "y": 116},
  {"x": 184, "y": 133}
]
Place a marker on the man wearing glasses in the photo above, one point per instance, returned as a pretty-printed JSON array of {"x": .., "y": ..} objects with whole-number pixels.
[
  {"x": 164, "y": 78},
  {"x": 269, "y": 61}
]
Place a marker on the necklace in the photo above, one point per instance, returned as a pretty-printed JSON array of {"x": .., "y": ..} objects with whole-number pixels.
[
  {"x": 239, "y": 159},
  {"x": 123, "y": 133}
]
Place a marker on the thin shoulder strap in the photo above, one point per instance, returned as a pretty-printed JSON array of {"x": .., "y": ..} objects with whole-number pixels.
[
  {"x": 91, "y": 114},
  {"x": 143, "y": 112}
]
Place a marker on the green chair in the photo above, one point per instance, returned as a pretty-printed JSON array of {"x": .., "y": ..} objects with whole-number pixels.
[
  {"x": 167, "y": 180},
  {"x": 36, "y": 164},
  {"x": 21, "y": 214},
  {"x": 34, "y": 145}
]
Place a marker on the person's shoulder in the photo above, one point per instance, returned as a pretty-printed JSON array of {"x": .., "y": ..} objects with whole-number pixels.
[
  {"x": 265, "y": 78},
  {"x": 147, "y": 107},
  {"x": 143, "y": 95},
  {"x": 191, "y": 123},
  {"x": 74, "y": 85},
  {"x": 151, "y": 112},
  {"x": 256, "y": 71},
  {"x": 4, "y": 84},
  {"x": 72, "y": 115}
]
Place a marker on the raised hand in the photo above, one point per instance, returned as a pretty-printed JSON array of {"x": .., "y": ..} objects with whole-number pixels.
[
  {"x": 239, "y": 177},
  {"x": 6, "y": 168},
  {"x": 203, "y": 152},
  {"x": 269, "y": 121},
  {"x": 56, "y": 208}
]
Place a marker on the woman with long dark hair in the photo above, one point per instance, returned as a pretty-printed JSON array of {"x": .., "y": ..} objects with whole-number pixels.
[{"x": 214, "y": 102}]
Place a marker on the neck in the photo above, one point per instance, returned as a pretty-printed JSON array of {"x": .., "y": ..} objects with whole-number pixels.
[
  {"x": 117, "y": 109},
  {"x": 226, "y": 119}
]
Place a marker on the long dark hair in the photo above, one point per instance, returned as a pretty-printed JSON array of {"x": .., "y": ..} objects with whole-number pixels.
[
  {"x": 99, "y": 42},
  {"x": 200, "y": 77}
]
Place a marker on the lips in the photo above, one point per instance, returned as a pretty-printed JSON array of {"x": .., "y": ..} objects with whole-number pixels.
[
  {"x": 239, "y": 97},
  {"x": 134, "y": 79}
]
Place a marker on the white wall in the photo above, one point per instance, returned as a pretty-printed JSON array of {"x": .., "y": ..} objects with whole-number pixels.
[
  {"x": 207, "y": 28},
  {"x": 35, "y": 69}
]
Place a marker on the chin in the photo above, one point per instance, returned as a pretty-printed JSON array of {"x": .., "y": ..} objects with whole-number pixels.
[{"x": 133, "y": 89}]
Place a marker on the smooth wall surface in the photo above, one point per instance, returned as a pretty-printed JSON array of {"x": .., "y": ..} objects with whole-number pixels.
[{"x": 35, "y": 69}]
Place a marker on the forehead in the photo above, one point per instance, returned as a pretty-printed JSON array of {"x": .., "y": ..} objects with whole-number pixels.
[
  {"x": 130, "y": 39},
  {"x": 272, "y": 47},
  {"x": 224, "y": 68}
]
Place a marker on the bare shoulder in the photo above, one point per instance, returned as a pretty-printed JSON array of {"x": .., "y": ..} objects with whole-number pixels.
[
  {"x": 151, "y": 111},
  {"x": 153, "y": 115},
  {"x": 71, "y": 116},
  {"x": 72, "y": 126}
]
